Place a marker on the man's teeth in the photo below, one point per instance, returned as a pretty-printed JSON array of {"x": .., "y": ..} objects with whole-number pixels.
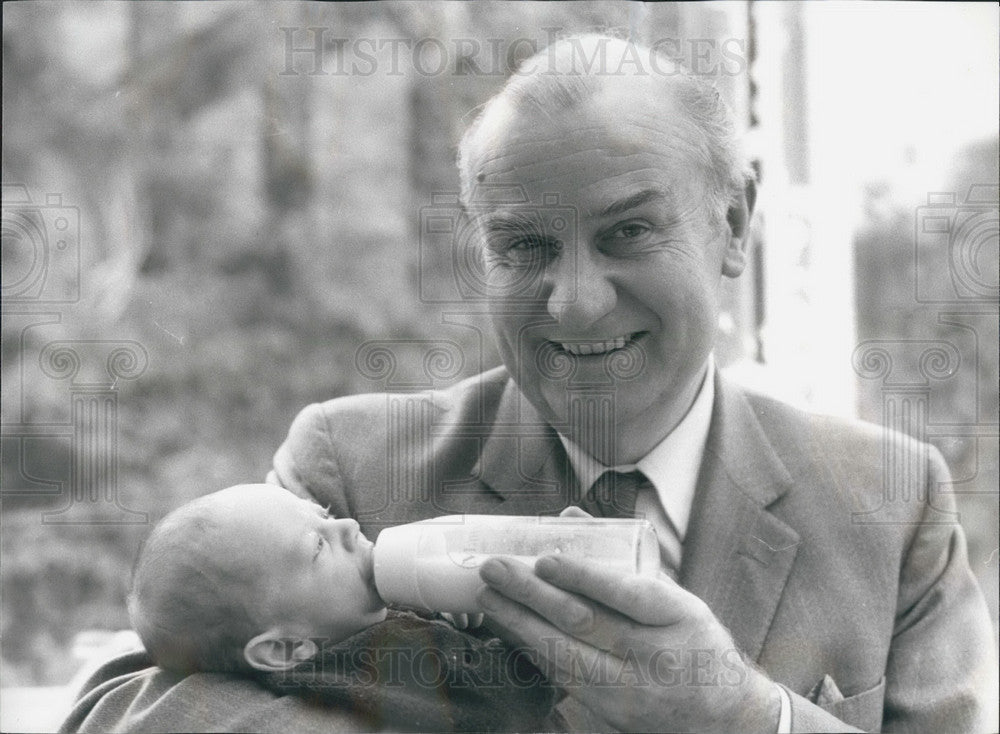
[{"x": 588, "y": 348}]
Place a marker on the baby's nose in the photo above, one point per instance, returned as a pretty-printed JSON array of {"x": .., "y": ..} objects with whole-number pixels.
[{"x": 347, "y": 529}]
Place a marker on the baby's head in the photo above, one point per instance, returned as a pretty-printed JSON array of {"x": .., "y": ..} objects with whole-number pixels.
[{"x": 245, "y": 577}]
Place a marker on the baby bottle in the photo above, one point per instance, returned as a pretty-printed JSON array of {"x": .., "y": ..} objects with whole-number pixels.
[{"x": 434, "y": 564}]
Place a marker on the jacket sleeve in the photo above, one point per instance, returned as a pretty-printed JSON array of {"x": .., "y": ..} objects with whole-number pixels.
[
  {"x": 941, "y": 674},
  {"x": 127, "y": 695},
  {"x": 941, "y": 671},
  {"x": 306, "y": 463}
]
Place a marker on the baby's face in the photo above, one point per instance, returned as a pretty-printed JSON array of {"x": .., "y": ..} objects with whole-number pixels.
[{"x": 314, "y": 573}]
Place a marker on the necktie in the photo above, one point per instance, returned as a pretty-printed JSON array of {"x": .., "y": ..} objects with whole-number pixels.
[{"x": 614, "y": 493}]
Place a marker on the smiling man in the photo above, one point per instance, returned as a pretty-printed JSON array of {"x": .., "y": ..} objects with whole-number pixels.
[
  {"x": 607, "y": 211},
  {"x": 655, "y": 233}
]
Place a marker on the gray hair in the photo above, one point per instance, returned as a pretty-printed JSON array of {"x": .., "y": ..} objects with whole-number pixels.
[{"x": 561, "y": 76}]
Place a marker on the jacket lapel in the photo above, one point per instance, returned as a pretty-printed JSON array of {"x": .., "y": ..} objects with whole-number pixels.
[
  {"x": 524, "y": 461},
  {"x": 737, "y": 555}
]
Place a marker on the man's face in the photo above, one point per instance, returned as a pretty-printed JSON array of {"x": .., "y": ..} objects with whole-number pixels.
[
  {"x": 311, "y": 574},
  {"x": 636, "y": 290}
]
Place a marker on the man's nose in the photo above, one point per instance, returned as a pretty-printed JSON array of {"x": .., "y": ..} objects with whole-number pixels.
[{"x": 579, "y": 288}]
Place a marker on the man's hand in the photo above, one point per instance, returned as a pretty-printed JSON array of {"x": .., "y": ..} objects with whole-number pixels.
[{"x": 640, "y": 652}]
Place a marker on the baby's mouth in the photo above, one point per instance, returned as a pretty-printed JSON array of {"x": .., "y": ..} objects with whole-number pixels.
[
  {"x": 368, "y": 571},
  {"x": 367, "y": 560}
]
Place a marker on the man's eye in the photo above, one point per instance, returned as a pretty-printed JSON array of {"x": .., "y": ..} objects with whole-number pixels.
[
  {"x": 630, "y": 231},
  {"x": 529, "y": 249},
  {"x": 523, "y": 248}
]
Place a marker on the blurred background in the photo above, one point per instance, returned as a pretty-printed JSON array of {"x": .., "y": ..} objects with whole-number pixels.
[{"x": 212, "y": 210}]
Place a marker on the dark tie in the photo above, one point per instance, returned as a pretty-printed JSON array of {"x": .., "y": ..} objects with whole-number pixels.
[{"x": 614, "y": 493}]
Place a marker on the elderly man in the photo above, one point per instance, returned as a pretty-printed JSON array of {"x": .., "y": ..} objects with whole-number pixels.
[{"x": 608, "y": 208}]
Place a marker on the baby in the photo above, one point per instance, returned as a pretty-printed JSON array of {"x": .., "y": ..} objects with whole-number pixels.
[
  {"x": 257, "y": 581},
  {"x": 244, "y": 578}
]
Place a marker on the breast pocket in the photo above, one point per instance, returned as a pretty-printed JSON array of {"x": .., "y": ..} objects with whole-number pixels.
[{"x": 863, "y": 710}]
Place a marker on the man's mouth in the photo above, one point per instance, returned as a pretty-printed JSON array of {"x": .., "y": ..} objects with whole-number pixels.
[{"x": 590, "y": 347}]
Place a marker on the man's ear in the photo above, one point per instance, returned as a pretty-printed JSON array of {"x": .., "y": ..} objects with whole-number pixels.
[
  {"x": 738, "y": 219},
  {"x": 275, "y": 650}
]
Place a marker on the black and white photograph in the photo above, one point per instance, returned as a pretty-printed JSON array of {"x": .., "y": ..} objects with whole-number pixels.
[{"x": 500, "y": 366}]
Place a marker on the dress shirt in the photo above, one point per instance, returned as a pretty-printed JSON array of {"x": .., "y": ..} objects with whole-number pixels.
[{"x": 672, "y": 469}]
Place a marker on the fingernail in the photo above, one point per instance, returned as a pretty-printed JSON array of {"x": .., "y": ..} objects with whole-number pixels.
[
  {"x": 580, "y": 618},
  {"x": 494, "y": 572},
  {"x": 546, "y": 567},
  {"x": 487, "y": 599}
]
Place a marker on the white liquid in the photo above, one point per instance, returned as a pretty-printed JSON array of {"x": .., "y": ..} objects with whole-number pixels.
[
  {"x": 447, "y": 586},
  {"x": 450, "y": 584},
  {"x": 436, "y": 563}
]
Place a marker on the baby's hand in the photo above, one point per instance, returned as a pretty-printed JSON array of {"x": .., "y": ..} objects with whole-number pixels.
[{"x": 463, "y": 621}]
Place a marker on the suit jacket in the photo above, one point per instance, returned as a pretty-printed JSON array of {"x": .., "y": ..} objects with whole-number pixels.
[{"x": 830, "y": 549}]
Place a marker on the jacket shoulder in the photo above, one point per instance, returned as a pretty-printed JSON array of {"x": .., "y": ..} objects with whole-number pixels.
[
  {"x": 454, "y": 404},
  {"x": 358, "y": 452},
  {"x": 874, "y": 468}
]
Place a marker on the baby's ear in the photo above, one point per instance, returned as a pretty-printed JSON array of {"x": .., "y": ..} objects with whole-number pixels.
[{"x": 275, "y": 650}]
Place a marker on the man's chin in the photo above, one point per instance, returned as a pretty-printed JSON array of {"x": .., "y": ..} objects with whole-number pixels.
[{"x": 583, "y": 411}]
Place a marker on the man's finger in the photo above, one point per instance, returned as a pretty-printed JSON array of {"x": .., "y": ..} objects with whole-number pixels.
[
  {"x": 518, "y": 582},
  {"x": 595, "y": 624},
  {"x": 653, "y": 601},
  {"x": 567, "y": 662}
]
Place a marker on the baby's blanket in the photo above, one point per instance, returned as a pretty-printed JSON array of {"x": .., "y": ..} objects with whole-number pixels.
[{"x": 414, "y": 674}]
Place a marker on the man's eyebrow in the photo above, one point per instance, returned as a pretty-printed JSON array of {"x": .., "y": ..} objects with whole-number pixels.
[
  {"x": 509, "y": 221},
  {"x": 631, "y": 202}
]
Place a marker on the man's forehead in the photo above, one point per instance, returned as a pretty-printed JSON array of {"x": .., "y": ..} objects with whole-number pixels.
[
  {"x": 645, "y": 101},
  {"x": 588, "y": 151},
  {"x": 611, "y": 201},
  {"x": 591, "y": 173}
]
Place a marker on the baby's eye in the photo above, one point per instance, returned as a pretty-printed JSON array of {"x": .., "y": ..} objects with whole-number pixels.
[{"x": 320, "y": 543}]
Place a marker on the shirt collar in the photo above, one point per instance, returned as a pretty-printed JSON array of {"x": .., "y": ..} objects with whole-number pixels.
[{"x": 672, "y": 465}]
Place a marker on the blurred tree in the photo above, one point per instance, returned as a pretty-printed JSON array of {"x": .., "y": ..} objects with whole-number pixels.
[
  {"x": 251, "y": 229},
  {"x": 888, "y": 269}
]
